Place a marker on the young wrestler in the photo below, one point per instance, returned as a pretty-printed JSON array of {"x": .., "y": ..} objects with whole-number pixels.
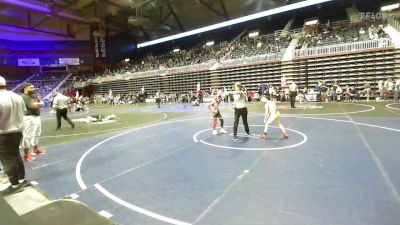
[
  {"x": 272, "y": 113},
  {"x": 214, "y": 107}
]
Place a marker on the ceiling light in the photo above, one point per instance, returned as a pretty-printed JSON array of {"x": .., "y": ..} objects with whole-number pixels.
[
  {"x": 266, "y": 13},
  {"x": 253, "y": 34},
  {"x": 390, "y": 7}
]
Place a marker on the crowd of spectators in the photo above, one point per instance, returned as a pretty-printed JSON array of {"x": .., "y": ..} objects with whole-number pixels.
[
  {"x": 266, "y": 44},
  {"x": 13, "y": 80},
  {"x": 45, "y": 83},
  {"x": 133, "y": 98},
  {"x": 345, "y": 32},
  {"x": 323, "y": 91},
  {"x": 384, "y": 90},
  {"x": 245, "y": 46}
]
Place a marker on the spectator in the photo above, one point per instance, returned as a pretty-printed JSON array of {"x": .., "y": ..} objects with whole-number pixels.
[
  {"x": 293, "y": 90},
  {"x": 324, "y": 90},
  {"x": 353, "y": 94},
  {"x": 367, "y": 89},
  {"x": 381, "y": 89},
  {"x": 32, "y": 122},
  {"x": 397, "y": 90},
  {"x": 12, "y": 108},
  {"x": 338, "y": 93}
]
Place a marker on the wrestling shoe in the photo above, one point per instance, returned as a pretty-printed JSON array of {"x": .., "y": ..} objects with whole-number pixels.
[
  {"x": 285, "y": 135},
  {"x": 222, "y": 131},
  {"x": 38, "y": 151},
  {"x": 29, "y": 158}
]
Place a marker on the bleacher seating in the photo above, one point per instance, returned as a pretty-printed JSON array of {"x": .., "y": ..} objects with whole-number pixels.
[
  {"x": 260, "y": 45},
  {"x": 352, "y": 69},
  {"x": 340, "y": 32},
  {"x": 365, "y": 66},
  {"x": 353, "y": 54},
  {"x": 14, "y": 80},
  {"x": 46, "y": 82}
]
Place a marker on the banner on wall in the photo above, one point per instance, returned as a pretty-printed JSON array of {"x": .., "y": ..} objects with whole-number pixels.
[
  {"x": 100, "y": 47},
  {"x": 68, "y": 61},
  {"x": 29, "y": 62}
]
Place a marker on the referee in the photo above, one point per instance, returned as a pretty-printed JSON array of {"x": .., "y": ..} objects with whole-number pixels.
[
  {"x": 293, "y": 90},
  {"x": 239, "y": 103},
  {"x": 61, "y": 104}
]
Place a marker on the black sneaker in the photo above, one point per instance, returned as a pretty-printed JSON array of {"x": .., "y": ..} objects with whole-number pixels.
[{"x": 11, "y": 190}]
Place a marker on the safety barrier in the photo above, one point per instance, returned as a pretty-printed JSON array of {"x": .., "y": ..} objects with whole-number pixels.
[{"x": 347, "y": 47}]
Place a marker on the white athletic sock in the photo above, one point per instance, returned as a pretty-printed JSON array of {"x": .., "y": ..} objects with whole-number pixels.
[
  {"x": 282, "y": 128},
  {"x": 266, "y": 128}
]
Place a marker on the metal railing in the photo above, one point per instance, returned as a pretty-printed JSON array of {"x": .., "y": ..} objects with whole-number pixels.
[
  {"x": 296, "y": 31},
  {"x": 341, "y": 22},
  {"x": 190, "y": 68},
  {"x": 251, "y": 60},
  {"x": 291, "y": 32},
  {"x": 159, "y": 72},
  {"x": 347, "y": 47}
]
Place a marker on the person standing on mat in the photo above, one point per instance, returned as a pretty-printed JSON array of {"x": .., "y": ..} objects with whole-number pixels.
[
  {"x": 158, "y": 98},
  {"x": 12, "y": 108},
  {"x": 272, "y": 113},
  {"x": 61, "y": 105},
  {"x": 32, "y": 122},
  {"x": 239, "y": 103},
  {"x": 214, "y": 107},
  {"x": 293, "y": 90}
]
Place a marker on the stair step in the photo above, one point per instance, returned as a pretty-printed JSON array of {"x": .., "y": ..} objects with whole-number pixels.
[{"x": 26, "y": 201}]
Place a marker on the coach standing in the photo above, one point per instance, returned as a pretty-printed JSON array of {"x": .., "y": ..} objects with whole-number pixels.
[
  {"x": 293, "y": 90},
  {"x": 61, "y": 105},
  {"x": 12, "y": 109},
  {"x": 32, "y": 122}
]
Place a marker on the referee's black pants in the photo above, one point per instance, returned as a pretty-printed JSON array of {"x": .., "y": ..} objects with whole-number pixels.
[
  {"x": 240, "y": 113},
  {"x": 62, "y": 113},
  {"x": 292, "y": 96},
  {"x": 11, "y": 158}
]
